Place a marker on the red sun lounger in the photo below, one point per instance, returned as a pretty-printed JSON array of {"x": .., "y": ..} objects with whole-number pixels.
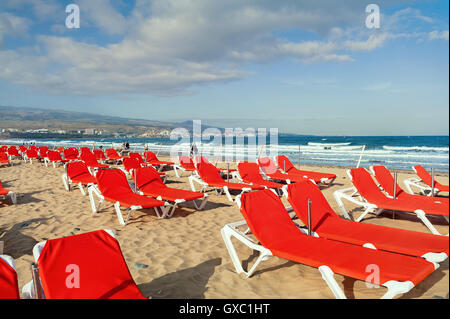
[
  {"x": 286, "y": 165},
  {"x": 138, "y": 157},
  {"x": 54, "y": 157},
  {"x": 186, "y": 164},
  {"x": 112, "y": 186},
  {"x": 132, "y": 164},
  {"x": 149, "y": 183},
  {"x": 386, "y": 181},
  {"x": 376, "y": 202},
  {"x": 9, "y": 285},
  {"x": 204, "y": 159},
  {"x": 113, "y": 156},
  {"x": 4, "y": 158},
  {"x": 31, "y": 154},
  {"x": 209, "y": 176},
  {"x": 99, "y": 155},
  {"x": 249, "y": 173},
  {"x": 43, "y": 150},
  {"x": 4, "y": 193},
  {"x": 89, "y": 159},
  {"x": 13, "y": 152},
  {"x": 423, "y": 183},
  {"x": 71, "y": 154},
  {"x": 277, "y": 235},
  {"x": 85, "y": 266},
  {"x": 269, "y": 169},
  {"x": 327, "y": 224},
  {"x": 151, "y": 159},
  {"x": 77, "y": 173}
]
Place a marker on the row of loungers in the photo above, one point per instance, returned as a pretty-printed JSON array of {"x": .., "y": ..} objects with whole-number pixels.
[{"x": 336, "y": 245}]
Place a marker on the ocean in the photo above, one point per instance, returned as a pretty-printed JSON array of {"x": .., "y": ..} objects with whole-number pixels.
[{"x": 395, "y": 152}]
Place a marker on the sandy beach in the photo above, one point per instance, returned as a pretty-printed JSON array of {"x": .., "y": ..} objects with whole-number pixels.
[{"x": 185, "y": 255}]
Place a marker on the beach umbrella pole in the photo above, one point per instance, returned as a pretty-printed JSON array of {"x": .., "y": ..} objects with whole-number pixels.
[
  {"x": 395, "y": 184},
  {"x": 361, "y": 155},
  {"x": 309, "y": 217},
  {"x": 299, "y": 157}
]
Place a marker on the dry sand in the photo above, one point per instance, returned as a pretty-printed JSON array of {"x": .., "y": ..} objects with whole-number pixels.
[{"x": 185, "y": 254}]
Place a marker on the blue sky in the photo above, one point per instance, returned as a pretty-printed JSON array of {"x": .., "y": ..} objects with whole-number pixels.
[{"x": 308, "y": 67}]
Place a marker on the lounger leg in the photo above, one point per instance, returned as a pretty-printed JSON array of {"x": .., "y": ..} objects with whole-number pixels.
[
  {"x": 191, "y": 182},
  {"x": 163, "y": 212},
  {"x": 328, "y": 276},
  {"x": 171, "y": 211},
  {"x": 364, "y": 214},
  {"x": 228, "y": 232},
  {"x": 119, "y": 213},
  {"x": 13, "y": 197},
  {"x": 422, "y": 216},
  {"x": 202, "y": 204},
  {"x": 341, "y": 206},
  {"x": 65, "y": 182},
  {"x": 81, "y": 189},
  {"x": 397, "y": 287},
  {"x": 227, "y": 192},
  {"x": 94, "y": 207}
]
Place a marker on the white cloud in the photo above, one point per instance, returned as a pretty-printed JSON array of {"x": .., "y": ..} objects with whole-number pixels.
[
  {"x": 436, "y": 35},
  {"x": 170, "y": 46}
]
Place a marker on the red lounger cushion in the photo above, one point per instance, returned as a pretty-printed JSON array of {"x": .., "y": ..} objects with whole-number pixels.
[
  {"x": 269, "y": 221},
  {"x": 269, "y": 168},
  {"x": 9, "y": 285},
  {"x": 149, "y": 182},
  {"x": 284, "y": 162},
  {"x": 328, "y": 224},
  {"x": 370, "y": 191},
  {"x": 249, "y": 173},
  {"x": 103, "y": 273},
  {"x": 427, "y": 178},
  {"x": 187, "y": 163},
  {"x": 210, "y": 175},
  {"x": 151, "y": 158},
  {"x": 114, "y": 187},
  {"x": 79, "y": 173}
]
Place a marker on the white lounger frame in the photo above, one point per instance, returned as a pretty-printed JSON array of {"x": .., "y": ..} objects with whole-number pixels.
[
  {"x": 68, "y": 182},
  {"x": 417, "y": 182},
  {"x": 12, "y": 197},
  {"x": 93, "y": 189},
  {"x": 351, "y": 194},
  {"x": 28, "y": 291},
  {"x": 231, "y": 230},
  {"x": 219, "y": 190}
]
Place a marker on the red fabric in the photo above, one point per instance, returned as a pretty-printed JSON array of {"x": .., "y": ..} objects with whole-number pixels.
[
  {"x": 71, "y": 153},
  {"x": 99, "y": 155},
  {"x": 54, "y": 156},
  {"x": 370, "y": 191},
  {"x": 249, "y": 173},
  {"x": 203, "y": 159},
  {"x": 284, "y": 162},
  {"x": 12, "y": 151},
  {"x": 43, "y": 150},
  {"x": 187, "y": 163},
  {"x": 386, "y": 181},
  {"x": 427, "y": 179},
  {"x": 137, "y": 156},
  {"x": 60, "y": 149},
  {"x": 103, "y": 272},
  {"x": 210, "y": 175},
  {"x": 112, "y": 154},
  {"x": 79, "y": 173},
  {"x": 3, "y": 191},
  {"x": 22, "y": 148},
  {"x": 269, "y": 168},
  {"x": 131, "y": 164},
  {"x": 151, "y": 159},
  {"x": 329, "y": 225},
  {"x": 149, "y": 182},
  {"x": 89, "y": 158},
  {"x": 3, "y": 158},
  {"x": 9, "y": 285},
  {"x": 269, "y": 222},
  {"x": 114, "y": 187},
  {"x": 32, "y": 153}
]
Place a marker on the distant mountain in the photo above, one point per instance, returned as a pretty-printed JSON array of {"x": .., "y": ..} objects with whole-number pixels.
[{"x": 28, "y": 118}]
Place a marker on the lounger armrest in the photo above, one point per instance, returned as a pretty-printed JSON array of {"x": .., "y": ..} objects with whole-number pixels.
[{"x": 341, "y": 194}]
